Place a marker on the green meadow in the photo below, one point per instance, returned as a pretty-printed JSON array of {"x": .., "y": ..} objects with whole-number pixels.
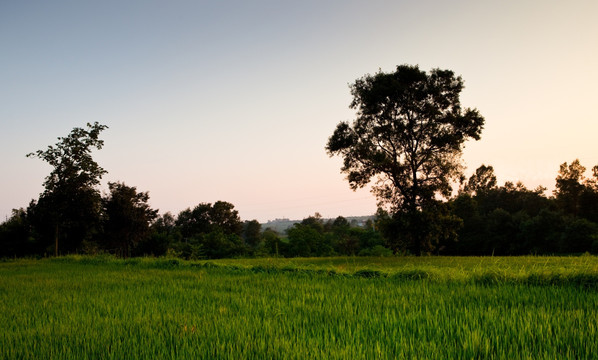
[{"x": 312, "y": 308}]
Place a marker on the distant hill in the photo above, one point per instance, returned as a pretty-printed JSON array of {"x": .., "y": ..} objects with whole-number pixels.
[{"x": 281, "y": 225}]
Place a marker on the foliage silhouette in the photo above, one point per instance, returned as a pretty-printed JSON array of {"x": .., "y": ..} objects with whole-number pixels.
[
  {"x": 127, "y": 218},
  {"x": 69, "y": 208},
  {"x": 409, "y": 133}
]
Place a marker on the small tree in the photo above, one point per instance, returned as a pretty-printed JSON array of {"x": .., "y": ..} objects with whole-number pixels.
[
  {"x": 192, "y": 222},
  {"x": 224, "y": 216},
  {"x": 252, "y": 233},
  {"x": 216, "y": 228},
  {"x": 127, "y": 218},
  {"x": 571, "y": 186},
  {"x": 272, "y": 242},
  {"x": 481, "y": 181},
  {"x": 206, "y": 218},
  {"x": 69, "y": 207}
]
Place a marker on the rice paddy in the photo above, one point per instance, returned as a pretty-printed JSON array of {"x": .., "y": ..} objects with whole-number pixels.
[{"x": 330, "y": 308}]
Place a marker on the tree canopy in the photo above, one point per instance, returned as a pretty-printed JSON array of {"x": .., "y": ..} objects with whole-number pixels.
[{"x": 71, "y": 158}]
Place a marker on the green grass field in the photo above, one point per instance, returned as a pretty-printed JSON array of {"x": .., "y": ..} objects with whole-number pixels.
[{"x": 329, "y": 308}]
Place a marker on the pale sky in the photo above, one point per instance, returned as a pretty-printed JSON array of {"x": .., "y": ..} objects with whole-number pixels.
[{"x": 235, "y": 100}]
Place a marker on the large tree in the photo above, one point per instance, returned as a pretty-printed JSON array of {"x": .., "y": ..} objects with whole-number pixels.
[
  {"x": 409, "y": 133},
  {"x": 69, "y": 208}
]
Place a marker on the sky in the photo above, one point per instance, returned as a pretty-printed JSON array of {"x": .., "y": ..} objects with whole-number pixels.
[{"x": 235, "y": 100}]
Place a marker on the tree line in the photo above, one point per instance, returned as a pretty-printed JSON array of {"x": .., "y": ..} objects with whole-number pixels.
[
  {"x": 482, "y": 219},
  {"x": 407, "y": 137},
  {"x": 72, "y": 216},
  {"x": 514, "y": 220}
]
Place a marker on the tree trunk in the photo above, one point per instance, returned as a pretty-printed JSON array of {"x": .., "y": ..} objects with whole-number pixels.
[
  {"x": 56, "y": 241},
  {"x": 415, "y": 231}
]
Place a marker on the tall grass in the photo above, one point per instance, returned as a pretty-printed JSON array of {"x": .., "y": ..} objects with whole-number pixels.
[{"x": 90, "y": 308}]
